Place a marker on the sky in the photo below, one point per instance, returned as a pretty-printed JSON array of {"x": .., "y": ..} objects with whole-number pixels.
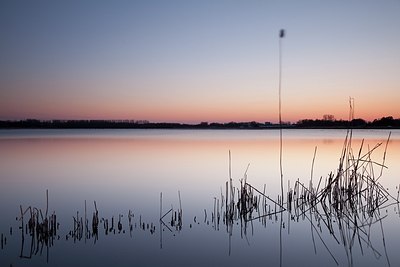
[{"x": 191, "y": 61}]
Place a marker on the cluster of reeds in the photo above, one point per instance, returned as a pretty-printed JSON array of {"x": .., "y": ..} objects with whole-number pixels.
[
  {"x": 347, "y": 202},
  {"x": 176, "y": 219},
  {"x": 354, "y": 188},
  {"x": 41, "y": 227},
  {"x": 82, "y": 229},
  {"x": 241, "y": 206}
]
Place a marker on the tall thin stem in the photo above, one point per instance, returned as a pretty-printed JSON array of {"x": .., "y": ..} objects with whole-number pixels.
[{"x": 281, "y": 35}]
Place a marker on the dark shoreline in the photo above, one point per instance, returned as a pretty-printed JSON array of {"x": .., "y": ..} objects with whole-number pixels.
[{"x": 383, "y": 123}]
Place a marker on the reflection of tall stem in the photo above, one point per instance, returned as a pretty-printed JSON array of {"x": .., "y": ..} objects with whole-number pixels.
[
  {"x": 281, "y": 35},
  {"x": 160, "y": 220},
  {"x": 384, "y": 243},
  {"x": 280, "y": 241}
]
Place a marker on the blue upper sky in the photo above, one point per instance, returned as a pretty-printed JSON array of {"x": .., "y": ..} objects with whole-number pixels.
[{"x": 197, "y": 60}]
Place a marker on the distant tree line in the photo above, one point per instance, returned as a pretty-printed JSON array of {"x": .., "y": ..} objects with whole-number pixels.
[
  {"x": 385, "y": 122},
  {"x": 84, "y": 124},
  {"x": 328, "y": 121},
  {"x": 123, "y": 124}
]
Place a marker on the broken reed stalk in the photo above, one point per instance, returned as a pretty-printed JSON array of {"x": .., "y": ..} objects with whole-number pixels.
[
  {"x": 180, "y": 203},
  {"x": 47, "y": 201},
  {"x": 230, "y": 179},
  {"x": 312, "y": 166},
  {"x": 86, "y": 223},
  {"x": 160, "y": 206},
  {"x": 384, "y": 155}
]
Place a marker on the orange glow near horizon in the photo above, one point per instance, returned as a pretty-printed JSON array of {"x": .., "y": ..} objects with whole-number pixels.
[
  {"x": 231, "y": 102},
  {"x": 196, "y": 112}
]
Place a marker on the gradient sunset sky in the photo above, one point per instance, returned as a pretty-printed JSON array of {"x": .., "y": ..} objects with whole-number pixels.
[{"x": 192, "y": 61}]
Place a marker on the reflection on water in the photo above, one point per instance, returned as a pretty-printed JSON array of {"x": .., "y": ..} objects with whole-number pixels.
[{"x": 104, "y": 205}]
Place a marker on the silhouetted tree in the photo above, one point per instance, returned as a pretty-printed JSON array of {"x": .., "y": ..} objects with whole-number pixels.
[{"x": 328, "y": 117}]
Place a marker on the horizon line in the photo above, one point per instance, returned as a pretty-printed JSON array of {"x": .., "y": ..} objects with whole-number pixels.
[{"x": 186, "y": 122}]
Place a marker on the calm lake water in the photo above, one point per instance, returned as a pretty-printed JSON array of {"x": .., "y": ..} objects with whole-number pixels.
[{"x": 125, "y": 171}]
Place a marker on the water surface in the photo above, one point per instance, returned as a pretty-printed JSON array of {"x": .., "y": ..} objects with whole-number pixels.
[{"x": 126, "y": 170}]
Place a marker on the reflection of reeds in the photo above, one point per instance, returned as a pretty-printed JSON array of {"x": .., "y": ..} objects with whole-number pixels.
[
  {"x": 3, "y": 241},
  {"x": 347, "y": 204}
]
